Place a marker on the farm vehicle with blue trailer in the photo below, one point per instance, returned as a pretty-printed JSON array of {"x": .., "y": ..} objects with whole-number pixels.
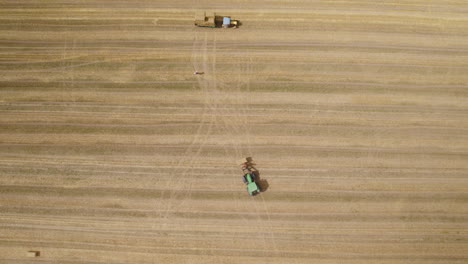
[{"x": 217, "y": 22}]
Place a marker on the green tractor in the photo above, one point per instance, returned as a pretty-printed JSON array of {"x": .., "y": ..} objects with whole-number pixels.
[
  {"x": 249, "y": 180},
  {"x": 250, "y": 176}
]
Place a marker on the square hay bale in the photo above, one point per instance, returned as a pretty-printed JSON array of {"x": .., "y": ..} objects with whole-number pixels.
[
  {"x": 33, "y": 253},
  {"x": 242, "y": 161},
  {"x": 246, "y": 160}
]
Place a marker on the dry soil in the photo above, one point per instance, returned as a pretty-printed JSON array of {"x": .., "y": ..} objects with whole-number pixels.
[{"x": 113, "y": 151}]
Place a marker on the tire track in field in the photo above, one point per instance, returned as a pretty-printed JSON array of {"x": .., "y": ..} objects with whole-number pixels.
[
  {"x": 236, "y": 124},
  {"x": 205, "y": 87},
  {"x": 231, "y": 122},
  {"x": 246, "y": 112},
  {"x": 181, "y": 167},
  {"x": 190, "y": 159}
]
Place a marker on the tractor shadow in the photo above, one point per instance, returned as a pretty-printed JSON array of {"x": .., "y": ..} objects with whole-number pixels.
[{"x": 262, "y": 183}]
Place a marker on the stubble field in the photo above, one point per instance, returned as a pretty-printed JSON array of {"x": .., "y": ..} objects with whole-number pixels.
[{"x": 113, "y": 151}]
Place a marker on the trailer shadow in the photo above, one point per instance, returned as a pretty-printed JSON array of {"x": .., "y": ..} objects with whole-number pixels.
[{"x": 262, "y": 183}]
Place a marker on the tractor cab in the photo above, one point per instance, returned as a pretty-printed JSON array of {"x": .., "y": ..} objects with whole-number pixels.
[{"x": 249, "y": 180}]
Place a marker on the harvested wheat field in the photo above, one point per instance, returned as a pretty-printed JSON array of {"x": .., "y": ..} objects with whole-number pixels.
[{"x": 113, "y": 151}]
